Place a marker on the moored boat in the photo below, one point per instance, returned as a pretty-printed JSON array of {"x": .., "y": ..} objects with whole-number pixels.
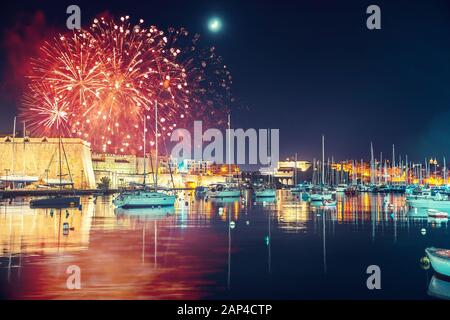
[
  {"x": 55, "y": 202},
  {"x": 59, "y": 201},
  {"x": 351, "y": 191},
  {"x": 200, "y": 191},
  {"x": 440, "y": 260},
  {"x": 265, "y": 193},
  {"x": 438, "y": 202},
  {"x": 221, "y": 190},
  {"x": 320, "y": 194},
  {"x": 144, "y": 199},
  {"x": 433, "y": 213},
  {"x": 329, "y": 203},
  {"x": 341, "y": 187}
]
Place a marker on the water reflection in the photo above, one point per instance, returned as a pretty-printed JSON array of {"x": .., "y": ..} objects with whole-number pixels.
[
  {"x": 221, "y": 248},
  {"x": 439, "y": 288}
]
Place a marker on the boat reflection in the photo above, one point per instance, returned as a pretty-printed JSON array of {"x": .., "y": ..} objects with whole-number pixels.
[
  {"x": 224, "y": 200},
  {"x": 205, "y": 249},
  {"x": 265, "y": 199},
  {"x": 439, "y": 288},
  {"x": 147, "y": 213}
]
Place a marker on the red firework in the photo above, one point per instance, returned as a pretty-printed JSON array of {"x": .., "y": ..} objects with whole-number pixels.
[{"x": 111, "y": 75}]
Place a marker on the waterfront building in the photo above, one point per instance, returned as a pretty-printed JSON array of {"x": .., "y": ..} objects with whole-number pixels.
[
  {"x": 38, "y": 157},
  {"x": 284, "y": 173}
]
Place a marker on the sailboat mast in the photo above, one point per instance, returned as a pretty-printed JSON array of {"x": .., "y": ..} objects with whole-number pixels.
[
  {"x": 23, "y": 156},
  {"x": 314, "y": 171},
  {"x": 60, "y": 158},
  {"x": 372, "y": 173},
  {"x": 13, "y": 141},
  {"x": 269, "y": 152},
  {"x": 156, "y": 144},
  {"x": 295, "y": 170},
  {"x": 445, "y": 173},
  {"x": 381, "y": 167},
  {"x": 145, "y": 166},
  {"x": 393, "y": 160},
  {"x": 229, "y": 147},
  {"x": 406, "y": 170},
  {"x": 323, "y": 159}
]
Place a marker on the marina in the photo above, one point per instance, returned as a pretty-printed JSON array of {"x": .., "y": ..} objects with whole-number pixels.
[
  {"x": 278, "y": 249},
  {"x": 230, "y": 156}
]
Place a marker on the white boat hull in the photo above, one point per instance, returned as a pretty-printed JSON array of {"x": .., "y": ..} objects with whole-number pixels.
[
  {"x": 320, "y": 197},
  {"x": 439, "y": 263},
  {"x": 144, "y": 199},
  {"x": 266, "y": 193},
  {"x": 224, "y": 194},
  {"x": 57, "y": 182},
  {"x": 432, "y": 213},
  {"x": 15, "y": 178},
  {"x": 429, "y": 204}
]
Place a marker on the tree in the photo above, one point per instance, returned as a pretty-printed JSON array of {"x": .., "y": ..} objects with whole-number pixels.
[{"x": 105, "y": 183}]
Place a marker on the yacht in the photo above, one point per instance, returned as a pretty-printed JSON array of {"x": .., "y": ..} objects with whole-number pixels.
[
  {"x": 341, "y": 187},
  {"x": 146, "y": 197},
  {"x": 438, "y": 202},
  {"x": 59, "y": 200},
  {"x": 321, "y": 193},
  {"x": 265, "y": 192},
  {"x": 229, "y": 189},
  {"x": 223, "y": 190}
]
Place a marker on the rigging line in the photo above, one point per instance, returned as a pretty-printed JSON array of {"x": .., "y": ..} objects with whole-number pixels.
[
  {"x": 169, "y": 164},
  {"x": 67, "y": 162},
  {"x": 151, "y": 166}
]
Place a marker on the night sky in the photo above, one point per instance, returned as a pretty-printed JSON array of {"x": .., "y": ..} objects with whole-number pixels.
[{"x": 305, "y": 67}]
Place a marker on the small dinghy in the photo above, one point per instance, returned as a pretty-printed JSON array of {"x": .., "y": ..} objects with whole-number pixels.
[
  {"x": 433, "y": 213},
  {"x": 440, "y": 260},
  {"x": 329, "y": 203}
]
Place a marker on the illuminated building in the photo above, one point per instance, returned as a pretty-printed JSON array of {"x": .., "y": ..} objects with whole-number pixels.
[
  {"x": 285, "y": 171},
  {"x": 39, "y": 157}
]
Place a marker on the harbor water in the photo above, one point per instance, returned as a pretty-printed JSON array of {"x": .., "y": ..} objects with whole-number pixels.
[{"x": 220, "y": 249}]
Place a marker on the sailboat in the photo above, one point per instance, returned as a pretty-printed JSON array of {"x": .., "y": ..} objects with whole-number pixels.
[
  {"x": 146, "y": 197},
  {"x": 229, "y": 189},
  {"x": 14, "y": 178},
  {"x": 267, "y": 191},
  {"x": 58, "y": 201},
  {"x": 322, "y": 193}
]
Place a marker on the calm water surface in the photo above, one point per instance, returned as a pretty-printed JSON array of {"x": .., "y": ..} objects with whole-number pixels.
[{"x": 276, "y": 250}]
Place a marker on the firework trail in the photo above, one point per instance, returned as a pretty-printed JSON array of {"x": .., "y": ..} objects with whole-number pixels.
[{"x": 111, "y": 75}]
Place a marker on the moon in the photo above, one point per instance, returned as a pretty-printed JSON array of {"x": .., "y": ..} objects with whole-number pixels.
[{"x": 214, "y": 24}]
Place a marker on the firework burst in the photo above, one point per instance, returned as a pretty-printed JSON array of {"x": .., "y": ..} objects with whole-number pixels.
[
  {"x": 111, "y": 75},
  {"x": 47, "y": 111}
]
